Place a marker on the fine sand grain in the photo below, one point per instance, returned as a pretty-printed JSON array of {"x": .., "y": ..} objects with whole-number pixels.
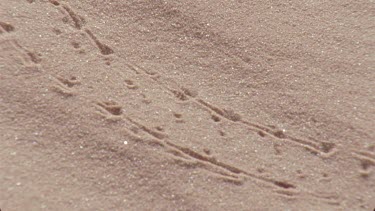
[{"x": 187, "y": 105}]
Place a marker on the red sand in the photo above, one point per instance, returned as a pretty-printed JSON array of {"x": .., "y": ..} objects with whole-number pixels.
[{"x": 187, "y": 105}]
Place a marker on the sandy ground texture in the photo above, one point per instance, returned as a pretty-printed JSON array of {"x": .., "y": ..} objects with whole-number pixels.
[{"x": 187, "y": 105}]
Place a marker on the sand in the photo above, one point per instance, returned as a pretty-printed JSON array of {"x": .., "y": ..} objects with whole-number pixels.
[{"x": 187, "y": 105}]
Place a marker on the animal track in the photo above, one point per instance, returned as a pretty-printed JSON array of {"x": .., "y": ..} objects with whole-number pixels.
[
  {"x": 364, "y": 155},
  {"x": 367, "y": 160},
  {"x": 33, "y": 56},
  {"x": 57, "y": 31},
  {"x": 279, "y": 134},
  {"x": 327, "y": 147},
  {"x": 7, "y": 27},
  {"x": 229, "y": 168},
  {"x": 72, "y": 81},
  {"x": 110, "y": 107},
  {"x": 11, "y": 47},
  {"x": 151, "y": 132},
  {"x": 130, "y": 84},
  {"x": 183, "y": 94},
  {"x": 179, "y": 118},
  {"x": 104, "y": 49},
  {"x": 108, "y": 60},
  {"x": 215, "y": 118},
  {"x": 78, "y": 23},
  {"x": 187, "y": 156},
  {"x": 228, "y": 114},
  {"x": 75, "y": 45},
  {"x": 54, "y": 2},
  {"x": 77, "y": 20},
  {"x": 207, "y": 151},
  {"x": 160, "y": 128},
  {"x": 179, "y": 95},
  {"x": 64, "y": 86},
  {"x": 134, "y": 68},
  {"x": 277, "y": 148},
  {"x": 261, "y": 133},
  {"x": 222, "y": 133},
  {"x": 177, "y": 115},
  {"x": 229, "y": 173},
  {"x": 324, "y": 149},
  {"x": 189, "y": 92},
  {"x": 328, "y": 198},
  {"x": 15, "y": 50}
]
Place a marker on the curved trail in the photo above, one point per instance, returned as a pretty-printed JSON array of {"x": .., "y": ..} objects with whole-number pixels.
[{"x": 203, "y": 142}]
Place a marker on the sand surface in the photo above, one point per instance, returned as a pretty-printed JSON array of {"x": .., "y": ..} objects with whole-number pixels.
[{"x": 187, "y": 105}]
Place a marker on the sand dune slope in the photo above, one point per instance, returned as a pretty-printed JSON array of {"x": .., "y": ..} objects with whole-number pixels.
[{"x": 187, "y": 105}]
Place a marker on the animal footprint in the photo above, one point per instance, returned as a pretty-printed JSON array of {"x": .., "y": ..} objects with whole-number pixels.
[
  {"x": 75, "y": 45},
  {"x": 17, "y": 52},
  {"x": 367, "y": 160},
  {"x": 78, "y": 20},
  {"x": 64, "y": 86},
  {"x": 215, "y": 118},
  {"x": 72, "y": 81},
  {"x": 54, "y": 2},
  {"x": 109, "y": 108},
  {"x": 104, "y": 49},
  {"x": 6, "y": 26},
  {"x": 178, "y": 117},
  {"x": 130, "y": 84},
  {"x": 189, "y": 92},
  {"x": 179, "y": 95}
]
